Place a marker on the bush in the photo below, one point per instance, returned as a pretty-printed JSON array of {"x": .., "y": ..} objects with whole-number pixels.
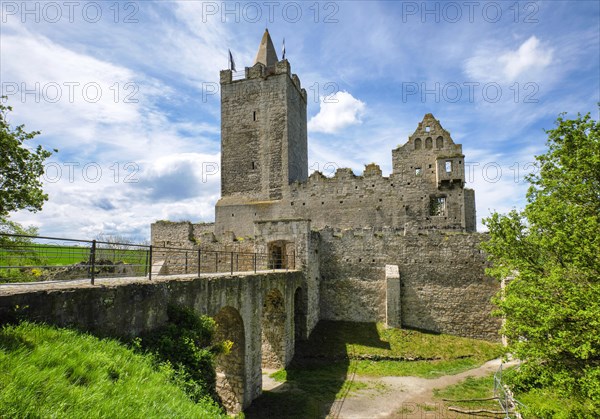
[{"x": 187, "y": 343}]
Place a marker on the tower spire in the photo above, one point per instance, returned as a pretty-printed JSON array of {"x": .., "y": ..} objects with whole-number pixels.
[{"x": 266, "y": 54}]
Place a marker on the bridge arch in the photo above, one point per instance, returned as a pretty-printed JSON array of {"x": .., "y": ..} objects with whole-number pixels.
[
  {"x": 230, "y": 368},
  {"x": 273, "y": 330}
]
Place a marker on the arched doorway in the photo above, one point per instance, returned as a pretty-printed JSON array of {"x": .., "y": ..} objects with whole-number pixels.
[
  {"x": 273, "y": 330},
  {"x": 281, "y": 253},
  {"x": 231, "y": 367}
]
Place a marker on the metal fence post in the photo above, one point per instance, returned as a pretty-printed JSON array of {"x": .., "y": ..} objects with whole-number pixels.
[
  {"x": 231, "y": 263},
  {"x": 146, "y": 270},
  {"x": 294, "y": 258},
  {"x": 216, "y": 261},
  {"x": 254, "y": 262},
  {"x": 186, "y": 262},
  {"x": 150, "y": 264},
  {"x": 93, "y": 261}
]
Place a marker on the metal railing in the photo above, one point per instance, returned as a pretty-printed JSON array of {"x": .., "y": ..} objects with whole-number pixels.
[
  {"x": 502, "y": 392},
  {"x": 198, "y": 261},
  {"x": 26, "y": 258}
]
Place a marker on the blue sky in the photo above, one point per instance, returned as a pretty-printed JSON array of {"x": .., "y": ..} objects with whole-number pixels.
[{"x": 128, "y": 93}]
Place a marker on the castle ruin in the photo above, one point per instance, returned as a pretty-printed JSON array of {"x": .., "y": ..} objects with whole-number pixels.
[{"x": 401, "y": 249}]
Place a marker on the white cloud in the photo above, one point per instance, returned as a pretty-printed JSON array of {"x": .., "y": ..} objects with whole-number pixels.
[
  {"x": 112, "y": 136},
  {"x": 495, "y": 63},
  {"x": 337, "y": 112},
  {"x": 57, "y": 78},
  {"x": 530, "y": 55},
  {"x": 125, "y": 201}
]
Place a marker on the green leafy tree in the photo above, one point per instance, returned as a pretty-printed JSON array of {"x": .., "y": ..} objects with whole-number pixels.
[
  {"x": 551, "y": 249},
  {"x": 15, "y": 250},
  {"x": 20, "y": 168},
  {"x": 20, "y": 188}
]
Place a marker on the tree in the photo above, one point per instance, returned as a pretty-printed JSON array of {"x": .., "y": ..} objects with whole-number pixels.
[
  {"x": 552, "y": 249},
  {"x": 115, "y": 241},
  {"x": 20, "y": 168}
]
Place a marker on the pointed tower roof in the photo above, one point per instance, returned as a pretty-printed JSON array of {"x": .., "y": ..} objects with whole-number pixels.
[{"x": 266, "y": 54}]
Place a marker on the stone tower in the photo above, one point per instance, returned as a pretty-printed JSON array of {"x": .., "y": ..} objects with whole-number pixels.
[{"x": 263, "y": 130}]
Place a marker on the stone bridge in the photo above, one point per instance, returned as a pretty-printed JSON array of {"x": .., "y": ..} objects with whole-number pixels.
[{"x": 263, "y": 314}]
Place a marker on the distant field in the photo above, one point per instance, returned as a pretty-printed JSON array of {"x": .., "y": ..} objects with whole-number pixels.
[
  {"x": 59, "y": 255},
  {"x": 35, "y": 262}
]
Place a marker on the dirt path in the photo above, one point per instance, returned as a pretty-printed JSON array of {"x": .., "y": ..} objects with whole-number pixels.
[
  {"x": 403, "y": 397},
  {"x": 397, "y": 397}
]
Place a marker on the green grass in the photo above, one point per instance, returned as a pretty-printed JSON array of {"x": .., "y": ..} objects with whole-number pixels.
[
  {"x": 425, "y": 369},
  {"x": 45, "y": 257},
  {"x": 548, "y": 403},
  {"x": 326, "y": 367},
  {"x": 58, "y": 255},
  {"x": 470, "y": 388},
  {"x": 357, "y": 341},
  {"x": 51, "y": 372},
  {"x": 552, "y": 402},
  {"x": 536, "y": 403}
]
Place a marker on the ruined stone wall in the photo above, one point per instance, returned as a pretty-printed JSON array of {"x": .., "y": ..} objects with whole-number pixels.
[
  {"x": 304, "y": 243},
  {"x": 470, "y": 212},
  {"x": 176, "y": 246},
  {"x": 371, "y": 200},
  {"x": 443, "y": 286},
  {"x": 168, "y": 233},
  {"x": 442, "y": 283},
  {"x": 426, "y": 189},
  {"x": 350, "y": 201},
  {"x": 238, "y": 218},
  {"x": 203, "y": 230}
]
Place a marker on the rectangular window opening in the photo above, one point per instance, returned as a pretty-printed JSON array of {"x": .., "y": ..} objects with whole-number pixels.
[
  {"x": 448, "y": 166},
  {"x": 254, "y": 115},
  {"x": 437, "y": 206},
  {"x": 418, "y": 171}
]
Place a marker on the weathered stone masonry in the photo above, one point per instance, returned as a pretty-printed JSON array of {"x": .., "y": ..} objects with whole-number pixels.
[
  {"x": 442, "y": 283},
  {"x": 236, "y": 302},
  {"x": 347, "y": 229}
]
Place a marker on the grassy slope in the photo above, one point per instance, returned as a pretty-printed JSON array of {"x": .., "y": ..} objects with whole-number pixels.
[{"x": 50, "y": 372}]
